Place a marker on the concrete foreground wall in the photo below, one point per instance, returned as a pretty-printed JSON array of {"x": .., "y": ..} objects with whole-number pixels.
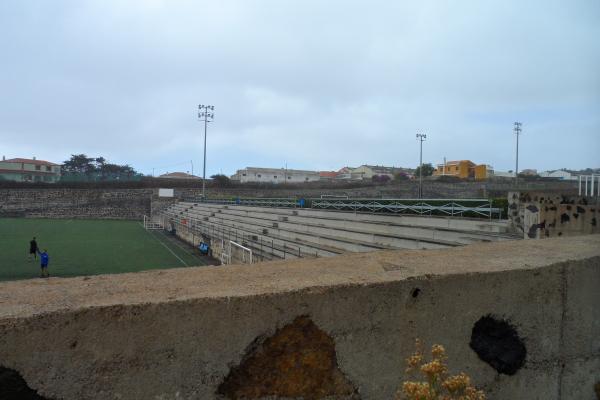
[{"x": 258, "y": 331}]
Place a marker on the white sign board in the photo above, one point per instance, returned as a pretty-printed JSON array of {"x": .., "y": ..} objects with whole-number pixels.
[{"x": 165, "y": 192}]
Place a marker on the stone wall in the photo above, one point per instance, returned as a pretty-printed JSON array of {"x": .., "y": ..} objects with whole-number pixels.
[
  {"x": 431, "y": 189},
  {"x": 75, "y": 203},
  {"x": 133, "y": 203},
  {"x": 541, "y": 215},
  {"x": 521, "y": 319}
]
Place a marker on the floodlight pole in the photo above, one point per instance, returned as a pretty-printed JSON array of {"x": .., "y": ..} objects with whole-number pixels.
[
  {"x": 421, "y": 137},
  {"x": 517, "y": 129},
  {"x": 205, "y": 114}
]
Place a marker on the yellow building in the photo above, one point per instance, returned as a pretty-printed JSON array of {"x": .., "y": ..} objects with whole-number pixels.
[{"x": 464, "y": 169}]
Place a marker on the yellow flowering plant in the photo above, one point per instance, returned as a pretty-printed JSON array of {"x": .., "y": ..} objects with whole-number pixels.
[{"x": 438, "y": 384}]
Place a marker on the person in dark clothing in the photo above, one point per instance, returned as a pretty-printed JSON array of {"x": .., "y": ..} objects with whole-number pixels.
[
  {"x": 44, "y": 260},
  {"x": 33, "y": 249}
]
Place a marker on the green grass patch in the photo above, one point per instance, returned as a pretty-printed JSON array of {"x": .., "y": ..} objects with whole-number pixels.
[{"x": 88, "y": 247}]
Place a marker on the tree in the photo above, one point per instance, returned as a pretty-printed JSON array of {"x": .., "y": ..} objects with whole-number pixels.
[
  {"x": 221, "y": 180},
  {"x": 82, "y": 164},
  {"x": 380, "y": 178},
  {"x": 79, "y": 164},
  {"x": 427, "y": 170},
  {"x": 401, "y": 176}
]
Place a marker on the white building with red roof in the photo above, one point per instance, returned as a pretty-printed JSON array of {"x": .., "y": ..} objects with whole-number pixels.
[{"x": 29, "y": 170}]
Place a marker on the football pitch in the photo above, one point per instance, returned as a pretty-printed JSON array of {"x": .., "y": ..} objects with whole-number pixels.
[{"x": 89, "y": 247}]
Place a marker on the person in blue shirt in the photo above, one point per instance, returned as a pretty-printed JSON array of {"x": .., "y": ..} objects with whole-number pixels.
[{"x": 44, "y": 260}]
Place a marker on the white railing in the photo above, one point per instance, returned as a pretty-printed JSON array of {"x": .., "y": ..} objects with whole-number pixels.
[{"x": 588, "y": 184}]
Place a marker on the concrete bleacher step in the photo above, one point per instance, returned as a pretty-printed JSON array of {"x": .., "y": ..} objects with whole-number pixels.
[
  {"x": 331, "y": 238},
  {"x": 326, "y": 233},
  {"x": 386, "y": 227},
  {"x": 370, "y": 238},
  {"x": 282, "y": 247}
]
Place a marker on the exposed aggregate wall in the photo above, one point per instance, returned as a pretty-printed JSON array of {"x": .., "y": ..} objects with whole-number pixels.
[
  {"x": 133, "y": 203},
  {"x": 75, "y": 203},
  {"x": 255, "y": 331}
]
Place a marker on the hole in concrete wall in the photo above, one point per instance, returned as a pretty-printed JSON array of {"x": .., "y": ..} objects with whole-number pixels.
[
  {"x": 580, "y": 210},
  {"x": 594, "y": 222},
  {"x": 415, "y": 292},
  {"x": 532, "y": 208},
  {"x": 14, "y": 387},
  {"x": 575, "y": 215},
  {"x": 564, "y": 218},
  {"x": 497, "y": 343},
  {"x": 298, "y": 361}
]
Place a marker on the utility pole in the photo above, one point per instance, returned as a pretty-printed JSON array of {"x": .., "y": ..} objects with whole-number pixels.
[
  {"x": 205, "y": 114},
  {"x": 421, "y": 137},
  {"x": 517, "y": 129}
]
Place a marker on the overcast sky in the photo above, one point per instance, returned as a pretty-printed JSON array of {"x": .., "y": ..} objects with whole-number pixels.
[{"x": 314, "y": 84}]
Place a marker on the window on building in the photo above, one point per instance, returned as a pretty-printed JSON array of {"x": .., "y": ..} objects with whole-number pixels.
[
  {"x": 243, "y": 174},
  {"x": 259, "y": 175},
  {"x": 275, "y": 176},
  {"x": 38, "y": 167},
  {"x": 306, "y": 178},
  {"x": 289, "y": 177},
  {"x": 48, "y": 168}
]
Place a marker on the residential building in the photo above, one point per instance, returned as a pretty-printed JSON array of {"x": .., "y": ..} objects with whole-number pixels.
[
  {"x": 464, "y": 169},
  {"x": 559, "y": 174},
  {"x": 369, "y": 171},
  {"x": 347, "y": 174},
  {"x": 328, "y": 175},
  {"x": 529, "y": 172},
  {"x": 178, "y": 175},
  {"x": 504, "y": 174},
  {"x": 29, "y": 170},
  {"x": 275, "y": 175}
]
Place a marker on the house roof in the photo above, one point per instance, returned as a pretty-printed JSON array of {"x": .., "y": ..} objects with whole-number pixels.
[
  {"x": 29, "y": 161},
  {"x": 328, "y": 174},
  {"x": 179, "y": 175}
]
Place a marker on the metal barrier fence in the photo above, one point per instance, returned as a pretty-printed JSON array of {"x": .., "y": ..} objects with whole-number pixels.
[
  {"x": 261, "y": 202},
  {"x": 474, "y": 207},
  {"x": 444, "y": 207}
]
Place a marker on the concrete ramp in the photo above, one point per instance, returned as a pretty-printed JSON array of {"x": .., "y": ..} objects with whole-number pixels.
[{"x": 521, "y": 317}]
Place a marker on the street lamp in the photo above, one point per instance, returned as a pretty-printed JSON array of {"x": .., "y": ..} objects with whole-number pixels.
[
  {"x": 517, "y": 129},
  {"x": 421, "y": 137},
  {"x": 205, "y": 114}
]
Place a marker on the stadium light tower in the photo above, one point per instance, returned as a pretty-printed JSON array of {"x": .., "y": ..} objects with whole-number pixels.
[
  {"x": 421, "y": 137},
  {"x": 517, "y": 129},
  {"x": 205, "y": 114}
]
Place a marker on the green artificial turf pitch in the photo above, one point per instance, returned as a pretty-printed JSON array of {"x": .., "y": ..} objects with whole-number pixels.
[{"x": 88, "y": 247}]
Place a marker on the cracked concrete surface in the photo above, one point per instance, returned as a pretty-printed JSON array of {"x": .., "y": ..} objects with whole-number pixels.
[{"x": 177, "y": 334}]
